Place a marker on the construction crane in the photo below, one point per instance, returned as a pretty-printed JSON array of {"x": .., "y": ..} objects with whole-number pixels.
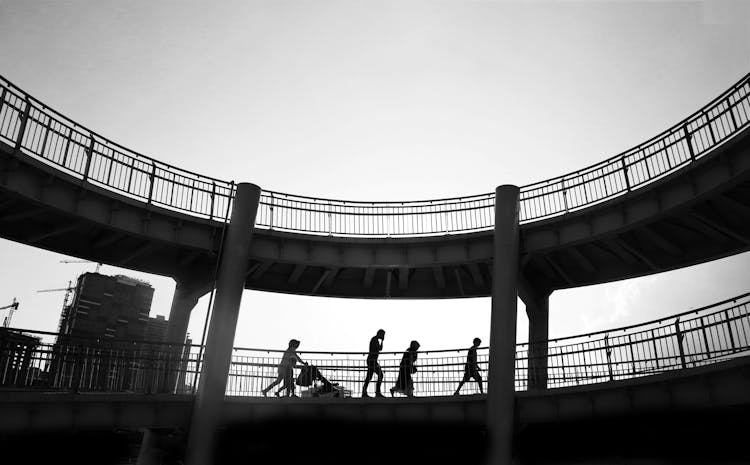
[
  {"x": 11, "y": 308},
  {"x": 64, "y": 313},
  {"x": 98, "y": 264}
]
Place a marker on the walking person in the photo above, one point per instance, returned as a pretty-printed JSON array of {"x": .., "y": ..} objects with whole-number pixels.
[
  {"x": 404, "y": 382},
  {"x": 286, "y": 370},
  {"x": 471, "y": 369},
  {"x": 373, "y": 367}
]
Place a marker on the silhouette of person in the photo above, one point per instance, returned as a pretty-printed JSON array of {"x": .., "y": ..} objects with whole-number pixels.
[
  {"x": 286, "y": 370},
  {"x": 404, "y": 382},
  {"x": 471, "y": 369},
  {"x": 373, "y": 367}
]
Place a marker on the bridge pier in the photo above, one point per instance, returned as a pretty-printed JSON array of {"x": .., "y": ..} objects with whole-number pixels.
[
  {"x": 537, "y": 310},
  {"x": 150, "y": 452},
  {"x": 186, "y": 295},
  {"x": 209, "y": 402},
  {"x": 501, "y": 373}
]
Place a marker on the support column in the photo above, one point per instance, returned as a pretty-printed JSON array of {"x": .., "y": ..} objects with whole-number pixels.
[
  {"x": 501, "y": 376},
  {"x": 537, "y": 310},
  {"x": 150, "y": 453},
  {"x": 186, "y": 295},
  {"x": 209, "y": 401}
]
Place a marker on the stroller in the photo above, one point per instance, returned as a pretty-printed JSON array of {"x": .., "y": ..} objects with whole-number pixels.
[{"x": 319, "y": 386}]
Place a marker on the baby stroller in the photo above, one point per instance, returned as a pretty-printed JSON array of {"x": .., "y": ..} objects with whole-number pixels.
[{"x": 319, "y": 386}]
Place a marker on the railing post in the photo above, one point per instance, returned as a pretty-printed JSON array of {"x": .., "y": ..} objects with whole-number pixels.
[
  {"x": 213, "y": 199},
  {"x": 625, "y": 173},
  {"x": 705, "y": 338},
  {"x": 270, "y": 221},
  {"x": 729, "y": 329},
  {"x": 632, "y": 354},
  {"x": 689, "y": 140},
  {"x": 2, "y": 99},
  {"x": 608, "y": 351},
  {"x": 24, "y": 121},
  {"x": 152, "y": 178},
  {"x": 89, "y": 156},
  {"x": 679, "y": 336},
  {"x": 710, "y": 128},
  {"x": 656, "y": 351},
  {"x": 565, "y": 196},
  {"x": 731, "y": 113},
  {"x": 46, "y": 136},
  {"x": 330, "y": 219}
]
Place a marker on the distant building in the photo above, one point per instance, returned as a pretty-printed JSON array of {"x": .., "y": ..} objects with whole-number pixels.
[
  {"x": 17, "y": 358},
  {"x": 101, "y": 334},
  {"x": 156, "y": 329},
  {"x": 108, "y": 307}
]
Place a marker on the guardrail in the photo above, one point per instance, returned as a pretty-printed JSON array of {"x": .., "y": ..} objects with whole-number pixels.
[
  {"x": 32, "y": 128},
  {"x": 697, "y": 337}
]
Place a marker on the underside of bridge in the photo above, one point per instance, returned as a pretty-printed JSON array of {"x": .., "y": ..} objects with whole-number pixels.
[{"x": 694, "y": 215}]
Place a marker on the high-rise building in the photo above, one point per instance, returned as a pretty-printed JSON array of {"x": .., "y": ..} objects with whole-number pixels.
[
  {"x": 100, "y": 342},
  {"x": 108, "y": 307},
  {"x": 156, "y": 329}
]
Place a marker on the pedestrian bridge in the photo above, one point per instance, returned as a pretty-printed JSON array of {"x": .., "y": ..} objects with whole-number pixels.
[
  {"x": 120, "y": 382},
  {"x": 683, "y": 376},
  {"x": 680, "y": 198}
]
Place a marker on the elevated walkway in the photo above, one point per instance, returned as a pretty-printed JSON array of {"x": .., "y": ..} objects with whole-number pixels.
[
  {"x": 678, "y": 199},
  {"x": 617, "y": 418}
]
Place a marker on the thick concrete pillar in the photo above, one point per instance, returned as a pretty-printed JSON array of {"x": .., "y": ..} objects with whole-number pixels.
[
  {"x": 537, "y": 310},
  {"x": 186, "y": 295},
  {"x": 229, "y": 286},
  {"x": 501, "y": 376},
  {"x": 150, "y": 453}
]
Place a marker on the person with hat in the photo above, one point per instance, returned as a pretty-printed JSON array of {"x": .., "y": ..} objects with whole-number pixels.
[{"x": 404, "y": 382}]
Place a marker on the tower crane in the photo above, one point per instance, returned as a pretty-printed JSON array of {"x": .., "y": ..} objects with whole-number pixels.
[
  {"x": 11, "y": 308},
  {"x": 98, "y": 264},
  {"x": 63, "y": 314}
]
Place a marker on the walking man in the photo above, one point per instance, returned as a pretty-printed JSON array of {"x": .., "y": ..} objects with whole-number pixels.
[
  {"x": 373, "y": 367},
  {"x": 471, "y": 369}
]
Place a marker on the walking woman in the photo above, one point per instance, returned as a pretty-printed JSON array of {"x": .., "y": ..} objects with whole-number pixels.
[
  {"x": 404, "y": 382},
  {"x": 286, "y": 370}
]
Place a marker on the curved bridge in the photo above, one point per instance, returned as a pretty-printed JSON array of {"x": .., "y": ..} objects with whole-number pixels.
[
  {"x": 688, "y": 374},
  {"x": 681, "y": 198}
]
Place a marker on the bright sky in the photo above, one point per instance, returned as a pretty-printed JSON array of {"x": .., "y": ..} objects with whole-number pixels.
[{"x": 377, "y": 100}]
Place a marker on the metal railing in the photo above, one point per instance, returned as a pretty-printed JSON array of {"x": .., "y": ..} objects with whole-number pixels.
[
  {"x": 32, "y": 128},
  {"x": 699, "y": 337}
]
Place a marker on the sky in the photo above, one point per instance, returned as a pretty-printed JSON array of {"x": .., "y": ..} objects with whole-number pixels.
[{"x": 377, "y": 100}]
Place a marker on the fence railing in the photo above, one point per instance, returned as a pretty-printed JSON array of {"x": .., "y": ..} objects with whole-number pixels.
[
  {"x": 698, "y": 337},
  {"x": 32, "y": 128}
]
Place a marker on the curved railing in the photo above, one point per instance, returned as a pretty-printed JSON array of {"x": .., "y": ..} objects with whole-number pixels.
[
  {"x": 698, "y": 337},
  {"x": 36, "y": 130}
]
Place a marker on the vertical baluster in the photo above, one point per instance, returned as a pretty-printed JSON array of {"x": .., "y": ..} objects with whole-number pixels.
[
  {"x": 656, "y": 350},
  {"x": 730, "y": 109},
  {"x": 24, "y": 121},
  {"x": 152, "y": 178},
  {"x": 729, "y": 329},
  {"x": 213, "y": 199},
  {"x": 710, "y": 128},
  {"x": 625, "y": 173},
  {"x": 679, "y": 336},
  {"x": 608, "y": 351},
  {"x": 705, "y": 339},
  {"x": 689, "y": 141},
  {"x": 89, "y": 155}
]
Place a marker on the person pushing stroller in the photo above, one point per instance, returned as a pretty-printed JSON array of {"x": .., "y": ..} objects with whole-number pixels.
[{"x": 286, "y": 371}]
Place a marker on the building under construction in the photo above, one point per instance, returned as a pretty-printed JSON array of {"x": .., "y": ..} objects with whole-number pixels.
[{"x": 107, "y": 323}]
